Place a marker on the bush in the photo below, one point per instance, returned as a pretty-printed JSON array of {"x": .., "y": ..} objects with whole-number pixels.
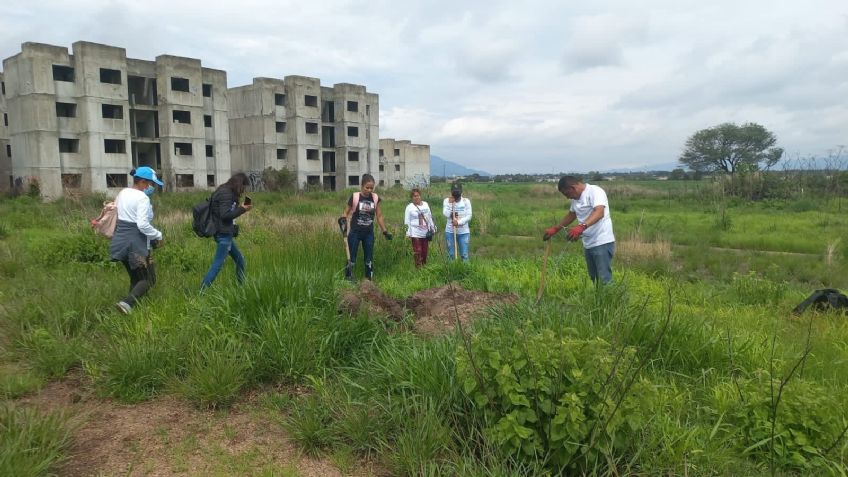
[{"x": 544, "y": 395}]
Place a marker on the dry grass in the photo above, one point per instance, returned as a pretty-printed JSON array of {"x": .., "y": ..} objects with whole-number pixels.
[
  {"x": 636, "y": 249},
  {"x": 831, "y": 252}
]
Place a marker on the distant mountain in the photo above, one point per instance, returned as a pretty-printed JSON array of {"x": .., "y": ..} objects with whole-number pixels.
[
  {"x": 668, "y": 166},
  {"x": 442, "y": 168}
]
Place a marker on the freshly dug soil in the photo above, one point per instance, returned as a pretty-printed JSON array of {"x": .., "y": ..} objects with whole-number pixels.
[{"x": 434, "y": 311}]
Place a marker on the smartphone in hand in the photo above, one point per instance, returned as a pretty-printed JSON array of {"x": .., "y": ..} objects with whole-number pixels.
[{"x": 248, "y": 200}]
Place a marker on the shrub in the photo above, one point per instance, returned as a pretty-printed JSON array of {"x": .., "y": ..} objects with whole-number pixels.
[
  {"x": 808, "y": 423},
  {"x": 557, "y": 398}
]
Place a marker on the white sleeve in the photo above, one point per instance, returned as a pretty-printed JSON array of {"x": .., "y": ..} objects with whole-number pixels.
[
  {"x": 143, "y": 211},
  {"x": 599, "y": 197},
  {"x": 467, "y": 218},
  {"x": 446, "y": 208}
]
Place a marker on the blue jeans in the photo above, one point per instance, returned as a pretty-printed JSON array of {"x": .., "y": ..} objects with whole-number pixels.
[
  {"x": 461, "y": 240},
  {"x": 599, "y": 262},
  {"x": 226, "y": 246},
  {"x": 367, "y": 239}
]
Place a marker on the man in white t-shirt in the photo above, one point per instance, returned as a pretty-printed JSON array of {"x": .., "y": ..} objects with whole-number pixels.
[{"x": 590, "y": 207}]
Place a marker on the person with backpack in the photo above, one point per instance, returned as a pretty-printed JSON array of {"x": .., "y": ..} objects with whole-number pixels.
[
  {"x": 419, "y": 227},
  {"x": 135, "y": 236},
  {"x": 225, "y": 206},
  {"x": 590, "y": 207},
  {"x": 457, "y": 209},
  {"x": 362, "y": 209}
]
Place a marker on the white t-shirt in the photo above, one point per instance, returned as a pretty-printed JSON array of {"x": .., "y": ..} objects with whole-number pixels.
[
  {"x": 418, "y": 220},
  {"x": 134, "y": 206},
  {"x": 600, "y": 232},
  {"x": 463, "y": 211}
]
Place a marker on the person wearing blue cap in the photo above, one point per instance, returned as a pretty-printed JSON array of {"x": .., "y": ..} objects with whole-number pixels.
[{"x": 135, "y": 236}]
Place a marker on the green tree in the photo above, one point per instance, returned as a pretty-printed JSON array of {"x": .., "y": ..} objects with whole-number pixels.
[
  {"x": 677, "y": 174},
  {"x": 728, "y": 147}
]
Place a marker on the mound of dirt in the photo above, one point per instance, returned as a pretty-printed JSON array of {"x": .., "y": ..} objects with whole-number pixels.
[{"x": 435, "y": 310}]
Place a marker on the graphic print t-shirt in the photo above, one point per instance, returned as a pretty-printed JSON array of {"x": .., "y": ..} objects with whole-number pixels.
[{"x": 363, "y": 217}]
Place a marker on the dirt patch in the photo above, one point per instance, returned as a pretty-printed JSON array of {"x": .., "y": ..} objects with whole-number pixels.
[
  {"x": 434, "y": 311},
  {"x": 169, "y": 437}
]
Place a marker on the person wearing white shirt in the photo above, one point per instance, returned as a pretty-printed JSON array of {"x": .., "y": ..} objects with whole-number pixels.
[
  {"x": 457, "y": 209},
  {"x": 419, "y": 227},
  {"x": 134, "y": 235},
  {"x": 590, "y": 207}
]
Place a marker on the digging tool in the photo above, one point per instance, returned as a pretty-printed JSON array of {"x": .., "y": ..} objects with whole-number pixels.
[
  {"x": 544, "y": 271},
  {"x": 343, "y": 229}
]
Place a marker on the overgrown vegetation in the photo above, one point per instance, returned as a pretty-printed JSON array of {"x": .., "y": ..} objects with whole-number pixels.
[{"x": 689, "y": 365}]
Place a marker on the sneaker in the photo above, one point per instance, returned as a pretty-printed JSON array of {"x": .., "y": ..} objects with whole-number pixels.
[{"x": 124, "y": 307}]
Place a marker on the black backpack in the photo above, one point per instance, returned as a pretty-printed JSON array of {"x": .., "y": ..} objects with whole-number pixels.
[
  {"x": 202, "y": 222},
  {"x": 826, "y": 298}
]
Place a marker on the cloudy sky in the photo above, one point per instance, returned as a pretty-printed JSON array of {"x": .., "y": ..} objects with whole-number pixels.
[{"x": 507, "y": 86}]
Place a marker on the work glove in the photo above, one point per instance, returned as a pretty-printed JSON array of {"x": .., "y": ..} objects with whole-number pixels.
[
  {"x": 550, "y": 232},
  {"x": 387, "y": 235},
  {"x": 575, "y": 232},
  {"x": 343, "y": 225}
]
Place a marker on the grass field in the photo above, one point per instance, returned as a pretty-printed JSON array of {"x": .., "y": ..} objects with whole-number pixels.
[{"x": 692, "y": 364}]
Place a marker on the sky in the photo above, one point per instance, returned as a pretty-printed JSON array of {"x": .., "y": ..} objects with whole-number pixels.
[{"x": 508, "y": 86}]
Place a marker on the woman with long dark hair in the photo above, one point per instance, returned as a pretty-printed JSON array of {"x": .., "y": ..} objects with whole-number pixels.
[
  {"x": 225, "y": 206},
  {"x": 362, "y": 209}
]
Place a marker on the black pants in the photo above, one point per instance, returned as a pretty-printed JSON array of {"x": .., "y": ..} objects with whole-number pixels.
[{"x": 141, "y": 279}]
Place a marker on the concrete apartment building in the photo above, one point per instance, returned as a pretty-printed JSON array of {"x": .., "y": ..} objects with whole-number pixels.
[
  {"x": 6, "y": 178},
  {"x": 328, "y": 137},
  {"x": 82, "y": 120},
  {"x": 404, "y": 164}
]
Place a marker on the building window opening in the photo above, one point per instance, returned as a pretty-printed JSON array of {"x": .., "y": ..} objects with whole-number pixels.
[
  {"x": 353, "y": 106},
  {"x": 142, "y": 90},
  {"x": 353, "y": 131},
  {"x": 179, "y": 84},
  {"x": 5, "y": 120},
  {"x": 63, "y": 73},
  {"x": 182, "y": 148},
  {"x": 397, "y": 182},
  {"x": 353, "y": 180},
  {"x": 110, "y": 76},
  {"x": 328, "y": 112},
  {"x": 397, "y": 152},
  {"x": 207, "y": 121},
  {"x": 309, "y": 100},
  {"x": 114, "y": 146},
  {"x": 182, "y": 117},
  {"x": 210, "y": 151},
  {"x": 113, "y": 111},
  {"x": 116, "y": 180},
  {"x": 71, "y": 181},
  {"x": 66, "y": 110},
  {"x": 353, "y": 155},
  {"x": 3, "y": 88},
  {"x": 185, "y": 180},
  {"x": 382, "y": 183},
  {"x": 210, "y": 180},
  {"x": 382, "y": 168},
  {"x": 313, "y": 180},
  {"x": 282, "y": 153},
  {"x": 381, "y": 153},
  {"x": 311, "y": 128},
  {"x": 280, "y": 99},
  {"x": 397, "y": 167},
  {"x": 207, "y": 90},
  {"x": 280, "y": 126},
  {"x": 329, "y": 161},
  {"x": 312, "y": 154},
  {"x": 68, "y": 145},
  {"x": 8, "y": 150}
]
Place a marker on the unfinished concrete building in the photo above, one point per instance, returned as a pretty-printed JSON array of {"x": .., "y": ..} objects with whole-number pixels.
[
  {"x": 6, "y": 178},
  {"x": 81, "y": 121},
  {"x": 404, "y": 164},
  {"x": 328, "y": 137}
]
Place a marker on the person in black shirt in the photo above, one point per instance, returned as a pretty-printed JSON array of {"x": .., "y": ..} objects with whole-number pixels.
[
  {"x": 225, "y": 208},
  {"x": 362, "y": 209}
]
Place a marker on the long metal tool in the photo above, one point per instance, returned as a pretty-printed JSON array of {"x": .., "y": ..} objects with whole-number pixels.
[
  {"x": 455, "y": 227},
  {"x": 544, "y": 272}
]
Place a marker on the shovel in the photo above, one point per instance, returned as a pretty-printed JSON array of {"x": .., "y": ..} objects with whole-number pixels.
[
  {"x": 544, "y": 271},
  {"x": 342, "y": 229},
  {"x": 455, "y": 247}
]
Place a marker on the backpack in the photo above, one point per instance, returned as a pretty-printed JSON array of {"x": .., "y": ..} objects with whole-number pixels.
[
  {"x": 826, "y": 298},
  {"x": 355, "y": 202},
  {"x": 202, "y": 221},
  {"x": 105, "y": 223}
]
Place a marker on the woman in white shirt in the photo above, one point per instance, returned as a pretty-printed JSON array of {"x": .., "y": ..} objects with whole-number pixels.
[
  {"x": 419, "y": 226},
  {"x": 135, "y": 235}
]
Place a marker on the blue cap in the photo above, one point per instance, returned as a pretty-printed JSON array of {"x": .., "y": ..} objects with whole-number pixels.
[{"x": 147, "y": 174}]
